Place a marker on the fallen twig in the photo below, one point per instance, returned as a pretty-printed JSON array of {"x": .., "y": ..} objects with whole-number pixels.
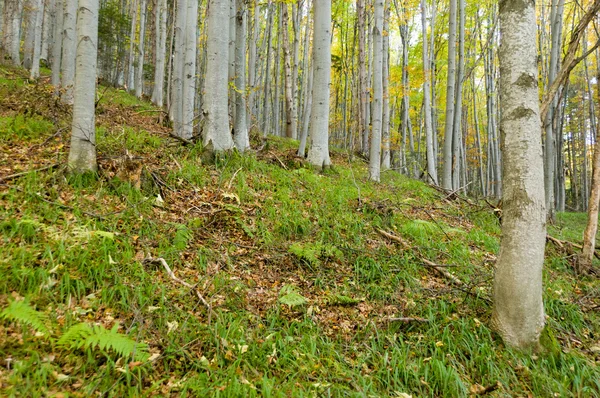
[
  {"x": 408, "y": 320},
  {"x": 394, "y": 238},
  {"x": 443, "y": 272},
  {"x": 23, "y": 173},
  {"x": 172, "y": 275},
  {"x": 562, "y": 243}
]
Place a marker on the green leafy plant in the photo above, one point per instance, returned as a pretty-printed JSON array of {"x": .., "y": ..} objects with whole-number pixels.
[
  {"x": 290, "y": 296},
  {"x": 84, "y": 335},
  {"x": 22, "y": 312}
]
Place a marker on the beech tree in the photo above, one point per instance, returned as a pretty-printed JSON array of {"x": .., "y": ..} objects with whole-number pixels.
[
  {"x": 318, "y": 154},
  {"x": 518, "y": 312},
  {"x": 216, "y": 124},
  {"x": 82, "y": 154},
  {"x": 69, "y": 47},
  {"x": 375, "y": 150}
]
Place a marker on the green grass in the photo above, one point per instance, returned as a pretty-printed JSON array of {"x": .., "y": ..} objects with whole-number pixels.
[{"x": 247, "y": 232}]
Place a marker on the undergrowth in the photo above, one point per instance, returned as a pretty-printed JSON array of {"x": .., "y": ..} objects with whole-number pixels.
[{"x": 283, "y": 282}]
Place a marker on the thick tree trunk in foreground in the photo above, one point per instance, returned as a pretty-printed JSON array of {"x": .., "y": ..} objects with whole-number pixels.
[
  {"x": 318, "y": 154},
  {"x": 216, "y": 83},
  {"x": 82, "y": 155},
  {"x": 518, "y": 312}
]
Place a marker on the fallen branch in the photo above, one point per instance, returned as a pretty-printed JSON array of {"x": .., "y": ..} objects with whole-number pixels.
[
  {"x": 163, "y": 262},
  {"x": 408, "y": 320},
  {"x": 394, "y": 238},
  {"x": 562, "y": 243},
  {"x": 443, "y": 272},
  {"x": 436, "y": 267},
  {"x": 23, "y": 173}
]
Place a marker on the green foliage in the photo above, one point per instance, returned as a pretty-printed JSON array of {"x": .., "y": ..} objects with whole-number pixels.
[
  {"x": 22, "y": 312},
  {"x": 312, "y": 254},
  {"x": 290, "y": 296},
  {"x": 91, "y": 337},
  {"x": 182, "y": 237}
]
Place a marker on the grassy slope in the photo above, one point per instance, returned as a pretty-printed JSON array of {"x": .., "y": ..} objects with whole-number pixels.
[{"x": 246, "y": 231}]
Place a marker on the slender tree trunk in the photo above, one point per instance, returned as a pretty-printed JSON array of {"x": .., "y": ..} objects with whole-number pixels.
[
  {"x": 375, "y": 150},
  {"x": 189, "y": 70},
  {"x": 450, "y": 100},
  {"x": 265, "y": 115},
  {"x": 217, "y": 133},
  {"x": 242, "y": 142},
  {"x": 57, "y": 46},
  {"x": 30, "y": 12},
  {"x": 362, "y": 77},
  {"x": 130, "y": 65},
  {"x": 431, "y": 169},
  {"x": 139, "y": 75},
  {"x": 252, "y": 82},
  {"x": 318, "y": 154},
  {"x": 457, "y": 120},
  {"x": 176, "y": 109},
  {"x": 161, "y": 51},
  {"x": 69, "y": 49},
  {"x": 82, "y": 154},
  {"x": 291, "y": 116},
  {"x": 37, "y": 40},
  {"x": 385, "y": 132},
  {"x": 306, "y": 114},
  {"x": 518, "y": 312}
]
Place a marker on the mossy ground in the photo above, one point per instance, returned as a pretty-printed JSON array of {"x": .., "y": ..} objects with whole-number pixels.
[{"x": 246, "y": 231}]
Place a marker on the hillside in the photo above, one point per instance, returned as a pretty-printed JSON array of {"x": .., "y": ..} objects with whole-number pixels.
[{"x": 254, "y": 275}]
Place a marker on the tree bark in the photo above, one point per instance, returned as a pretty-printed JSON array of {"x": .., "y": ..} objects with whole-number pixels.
[
  {"x": 450, "y": 100},
  {"x": 375, "y": 149},
  {"x": 161, "y": 52},
  {"x": 82, "y": 154},
  {"x": 318, "y": 154},
  {"x": 431, "y": 169},
  {"x": 69, "y": 49},
  {"x": 518, "y": 312},
  {"x": 242, "y": 142},
  {"x": 216, "y": 126}
]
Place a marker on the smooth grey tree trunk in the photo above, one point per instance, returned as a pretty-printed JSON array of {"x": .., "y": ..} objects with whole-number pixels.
[
  {"x": 318, "y": 154},
  {"x": 139, "y": 74},
  {"x": 252, "y": 82},
  {"x": 30, "y": 12},
  {"x": 37, "y": 40},
  {"x": 161, "y": 51},
  {"x": 216, "y": 126},
  {"x": 69, "y": 49},
  {"x": 241, "y": 139},
  {"x": 457, "y": 120},
  {"x": 431, "y": 169},
  {"x": 450, "y": 100},
  {"x": 130, "y": 65},
  {"x": 291, "y": 129},
  {"x": 362, "y": 77},
  {"x": 188, "y": 78},
  {"x": 267, "y": 86},
  {"x": 57, "y": 46},
  {"x": 518, "y": 312},
  {"x": 82, "y": 154},
  {"x": 176, "y": 105},
  {"x": 385, "y": 120},
  {"x": 306, "y": 113},
  {"x": 375, "y": 149}
]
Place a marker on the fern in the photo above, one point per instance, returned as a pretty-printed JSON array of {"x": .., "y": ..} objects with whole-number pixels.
[
  {"x": 22, "y": 312},
  {"x": 84, "y": 335},
  {"x": 183, "y": 235}
]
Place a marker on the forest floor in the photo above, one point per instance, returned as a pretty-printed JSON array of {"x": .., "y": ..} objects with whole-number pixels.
[{"x": 254, "y": 275}]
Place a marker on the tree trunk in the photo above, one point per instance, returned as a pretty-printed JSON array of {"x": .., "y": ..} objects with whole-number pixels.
[
  {"x": 375, "y": 149},
  {"x": 188, "y": 77},
  {"x": 139, "y": 75},
  {"x": 457, "y": 119},
  {"x": 161, "y": 52},
  {"x": 37, "y": 40},
  {"x": 385, "y": 131},
  {"x": 82, "y": 154},
  {"x": 318, "y": 154},
  {"x": 431, "y": 169},
  {"x": 57, "y": 46},
  {"x": 518, "y": 312},
  {"x": 69, "y": 48},
  {"x": 362, "y": 77},
  {"x": 265, "y": 115},
  {"x": 216, "y": 125},
  {"x": 242, "y": 142},
  {"x": 290, "y": 112},
  {"x": 450, "y": 100},
  {"x": 130, "y": 65},
  {"x": 307, "y": 108}
]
